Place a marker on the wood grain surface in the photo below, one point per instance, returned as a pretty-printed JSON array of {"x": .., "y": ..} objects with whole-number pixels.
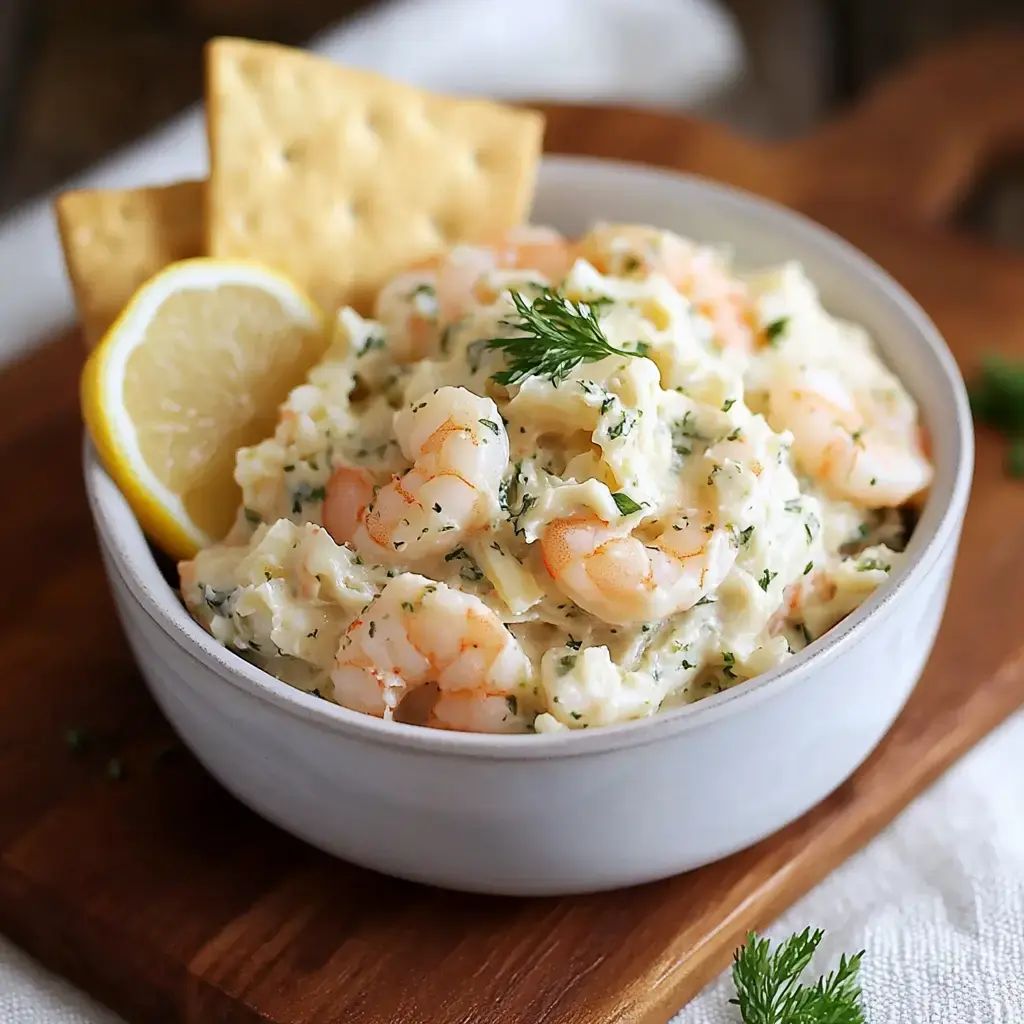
[{"x": 126, "y": 867}]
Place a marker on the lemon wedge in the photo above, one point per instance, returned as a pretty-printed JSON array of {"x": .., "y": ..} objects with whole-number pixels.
[{"x": 194, "y": 368}]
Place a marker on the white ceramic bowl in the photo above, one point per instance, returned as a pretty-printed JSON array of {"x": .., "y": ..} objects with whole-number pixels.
[{"x": 611, "y": 807}]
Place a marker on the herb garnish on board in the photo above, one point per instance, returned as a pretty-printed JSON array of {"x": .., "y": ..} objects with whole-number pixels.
[
  {"x": 997, "y": 399},
  {"x": 768, "y": 989},
  {"x": 556, "y": 335}
]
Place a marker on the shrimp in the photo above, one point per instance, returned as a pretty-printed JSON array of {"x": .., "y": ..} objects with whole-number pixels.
[
  {"x": 418, "y": 632},
  {"x": 630, "y": 250},
  {"x": 458, "y": 447},
  {"x": 612, "y": 574},
  {"x": 408, "y": 309},
  {"x": 863, "y": 445},
  {"x": 415, "y": 306}
]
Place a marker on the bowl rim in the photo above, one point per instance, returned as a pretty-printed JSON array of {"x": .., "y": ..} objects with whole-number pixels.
[{"x": 129, "y": 553}]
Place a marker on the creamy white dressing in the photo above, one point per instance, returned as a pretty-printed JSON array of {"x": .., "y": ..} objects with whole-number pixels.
[{"x": 635, "y": 440}]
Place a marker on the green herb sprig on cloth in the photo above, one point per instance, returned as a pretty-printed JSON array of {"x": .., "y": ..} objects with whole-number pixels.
[
  {"x": 997, "y": 399},
  {"x": 768, "y": 989},
  {"x": 556, "y": 335}
]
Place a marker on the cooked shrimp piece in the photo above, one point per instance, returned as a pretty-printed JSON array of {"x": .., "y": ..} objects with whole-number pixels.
[
  {"x": 415, "y": 306},
  {"x": 632, "y": 250},
  {"x": 458, "y": 447},
  {"x": 407, "y": 307},
  {"x": 612, "y": 574},
  {"x": 418, "y": 632},
  {"x": 349, "y": 490},
  {"x": 862, "y": 444}
]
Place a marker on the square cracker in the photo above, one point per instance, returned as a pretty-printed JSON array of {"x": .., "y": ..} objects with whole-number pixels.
[
  {"x": 115, "y": 240},
  {"x": 340, "y": 178}
]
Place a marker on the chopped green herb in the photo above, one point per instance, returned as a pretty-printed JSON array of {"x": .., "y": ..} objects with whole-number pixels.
[
  {"x": 625, "y": 504},
  {"x": 1015, "y": 459},
  {"x": 623, "y": 426},
  {"x": 768, "y": 989},
  {"x": 704, "y": 600},
  {"x": 576, "y": 716},
  {"x": 745, "y": 536},
  {"x": 766, "y": 578},
  {"x": 573, "y": 644},
  {"x": 555, "y": 336},
  {"x": 513, "y": 705},
  {"x": 566, "y": 664},
  {"x": 728, "y": 663},
  {"x": 409, "y": 606},
  {"x": 869, "y": 564},
  {"x": 492, "y": 426},
  {"x": 728, "y": 404},
  {"x": 808, "y": 567},
  {"x": 373, "y": 342},
  {"x": 472, "y": 572},
  {"x": 459, "y": 552},
  {"x": 997, "y": 399},
  {"x": 373, "y": 629},
  {"x": 437, "y": 507},
  {"x": 774, "y": 331}
]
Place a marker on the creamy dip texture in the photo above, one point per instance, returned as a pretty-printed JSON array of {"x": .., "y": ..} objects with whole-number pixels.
[{"x": 559, "y": 485}]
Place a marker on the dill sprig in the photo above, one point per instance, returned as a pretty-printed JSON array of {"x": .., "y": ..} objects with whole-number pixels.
[
  {"x": 997, "y": 399},
  {"x": 768, "y": 989},
  {"x": 556, "y": 335}
]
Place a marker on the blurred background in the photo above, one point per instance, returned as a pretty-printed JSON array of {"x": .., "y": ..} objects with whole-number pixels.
[{"x": 82, "y": 79}]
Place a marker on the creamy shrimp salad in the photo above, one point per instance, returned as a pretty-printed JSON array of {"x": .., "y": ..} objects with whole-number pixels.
[{"x": 557, "y": 485}]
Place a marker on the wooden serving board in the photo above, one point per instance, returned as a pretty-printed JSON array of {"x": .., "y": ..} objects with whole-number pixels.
[{"x": 168, "y": 900}]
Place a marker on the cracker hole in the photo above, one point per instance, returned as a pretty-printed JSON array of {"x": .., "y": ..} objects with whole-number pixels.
[
  {"x": 346, "y": 215},
  {"x": 436, "y": 231},
  {"x": 291, "y": 153},
  {"x": 247, "y": 223}
]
